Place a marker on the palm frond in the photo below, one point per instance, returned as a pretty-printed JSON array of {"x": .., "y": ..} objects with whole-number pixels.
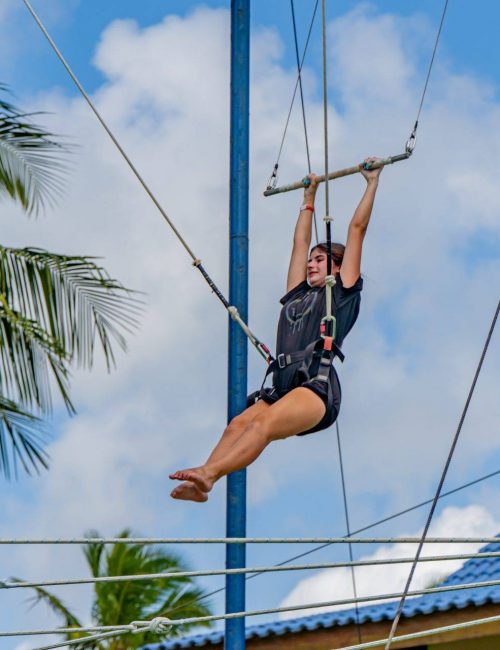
[
  {"x": 27, "y": 354},
  {"x": 58, "y": 607},
  {"x": 72, "y": 297},
  {"x": 93, "y": 553},
  {"x": 117, "y": 603},
  {"x": 31, "y": 169},
  {"x": 21, "y": 440}
]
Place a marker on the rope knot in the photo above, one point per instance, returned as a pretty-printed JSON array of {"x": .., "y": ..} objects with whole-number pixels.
[
  {"x": 327, "y": 219},
  {"x": 160, "y": 625},
  {"x": 233, "y": 312},
  {"x": 330, "y": 280}
]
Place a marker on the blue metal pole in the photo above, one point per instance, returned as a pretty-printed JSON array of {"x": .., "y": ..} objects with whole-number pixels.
[{"x": 238, "y": 296}]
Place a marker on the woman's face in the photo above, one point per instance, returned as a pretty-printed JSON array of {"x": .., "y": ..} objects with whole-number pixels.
[{"x": 316, "y": 268}]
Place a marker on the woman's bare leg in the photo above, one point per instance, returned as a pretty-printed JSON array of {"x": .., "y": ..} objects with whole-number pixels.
[
  {"x": 298, "y": 411},
  {"x": 235, "y": 429},
  {"x": 189, "y": 491}
]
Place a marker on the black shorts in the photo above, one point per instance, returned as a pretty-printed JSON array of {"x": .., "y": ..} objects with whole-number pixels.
[{"x": 331, "y": 399}]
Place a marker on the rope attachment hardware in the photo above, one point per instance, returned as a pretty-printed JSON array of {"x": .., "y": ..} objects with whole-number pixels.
[
  {"x": 273, "y": 179},
  {"x": 261, "y": 348},
  {"x": 412, "y": 140}
]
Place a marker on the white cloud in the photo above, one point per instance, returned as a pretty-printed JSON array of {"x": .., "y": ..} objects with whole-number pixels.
[
  {"x": 425, "y": 310},
  {"x": 336, "y": 584}
]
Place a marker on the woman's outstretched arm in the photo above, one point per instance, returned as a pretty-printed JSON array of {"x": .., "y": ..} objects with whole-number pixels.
[
  {"x": 297, "y": 271},
  {"x": 351, "y": 264}
]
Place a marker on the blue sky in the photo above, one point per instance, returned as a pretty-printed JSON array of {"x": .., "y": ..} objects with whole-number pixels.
[
  {"x": 469, "y": 37},
  {"x": 431, "y": 271}
]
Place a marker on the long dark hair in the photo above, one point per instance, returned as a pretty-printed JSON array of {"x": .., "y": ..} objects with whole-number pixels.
[{"x": 337, "y": 249}]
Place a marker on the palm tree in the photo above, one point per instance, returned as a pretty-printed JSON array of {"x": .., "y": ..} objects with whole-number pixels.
[
  {"x": 55, "y": 309},
  {"x": 117, "y": 603}
]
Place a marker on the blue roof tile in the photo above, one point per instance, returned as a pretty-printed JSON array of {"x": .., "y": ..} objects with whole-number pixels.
[{"x": 476, "y": 570}]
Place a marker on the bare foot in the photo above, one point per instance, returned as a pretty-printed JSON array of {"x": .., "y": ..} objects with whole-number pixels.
[
  {"x": 194, "y": 475},
  {"x": 189, "y": 492}
]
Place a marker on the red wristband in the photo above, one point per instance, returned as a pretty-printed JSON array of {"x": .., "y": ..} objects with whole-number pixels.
[{"x": 306, "y": 206}]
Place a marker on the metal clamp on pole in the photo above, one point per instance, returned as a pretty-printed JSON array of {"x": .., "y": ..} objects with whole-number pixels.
[{"x": 348, "y": 171}]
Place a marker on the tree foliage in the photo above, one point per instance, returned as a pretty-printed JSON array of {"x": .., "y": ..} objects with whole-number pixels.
[
  {"x": 117, "y": 603},
  {"x": 56, "y": 310}
]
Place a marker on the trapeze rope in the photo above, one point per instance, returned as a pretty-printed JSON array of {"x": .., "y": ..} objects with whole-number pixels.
[
  {"x": 299, "y": 70},
  {"x": 348, "y": 528},
  {"x": 441, "y": 480},
  {"x": 271, "y": 183},
  {"x": 409, "y": 147},
  {"x": 232, "y": 310},
  {"x": 330, "y": 321}
]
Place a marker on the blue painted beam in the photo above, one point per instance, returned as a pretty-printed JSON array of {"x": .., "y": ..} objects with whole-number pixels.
[{"x": 238, "y": 296}]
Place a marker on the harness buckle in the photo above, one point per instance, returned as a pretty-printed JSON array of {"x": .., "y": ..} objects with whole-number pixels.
[{"x": 281, "y": 359}]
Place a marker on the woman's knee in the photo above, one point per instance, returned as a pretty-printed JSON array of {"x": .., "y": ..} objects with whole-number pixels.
[
  {"x": 237, "y": 425},
  {"x": 262, "y": 427}
]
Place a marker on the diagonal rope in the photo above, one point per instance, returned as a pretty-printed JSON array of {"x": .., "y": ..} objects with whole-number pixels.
[
  {"x": 356, "y": 532},
  {"x": 348, "y": 528},
  {"x": 410, "y": 145},
  {"x": 299, "y": 71},
  {"x": 441, "y": 480},
  {"x": 233, "y": 312},
  {"x": 167, "y": 575},
  {"x": 162, "y": 625},
  {"x": 426, "y": 633},
  {"x": 273, "y": 178}
]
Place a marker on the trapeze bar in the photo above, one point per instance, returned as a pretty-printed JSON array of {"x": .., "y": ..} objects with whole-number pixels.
[{"x": 348, "y": 171}]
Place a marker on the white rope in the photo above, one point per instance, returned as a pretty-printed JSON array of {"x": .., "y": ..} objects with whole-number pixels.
[
  {"x": 93, "y": 637},
  {"x": 158, "y": 625},
  {"x": 142, "y": 626},
  {"x": 425, "y": 633},
  {"x": 251, "y": 540},
  {"x": 442, "y": 479},
  {"x": 9, "y": 584},
  {"x": 327, "y": 218},
  {"x": 261, "y": 348}
]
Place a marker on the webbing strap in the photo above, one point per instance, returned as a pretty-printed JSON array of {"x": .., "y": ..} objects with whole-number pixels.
[{"x": 328, "y": 326}]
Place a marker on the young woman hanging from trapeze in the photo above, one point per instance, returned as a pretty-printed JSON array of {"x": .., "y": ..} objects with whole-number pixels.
[{"x": 305, "y": 394}]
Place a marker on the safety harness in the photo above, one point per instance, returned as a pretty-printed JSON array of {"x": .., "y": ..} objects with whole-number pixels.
[{"x": 315, "y": 360}]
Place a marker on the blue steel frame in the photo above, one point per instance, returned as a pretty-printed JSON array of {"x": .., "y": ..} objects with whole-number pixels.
[{"x": 238, "y": 296}]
